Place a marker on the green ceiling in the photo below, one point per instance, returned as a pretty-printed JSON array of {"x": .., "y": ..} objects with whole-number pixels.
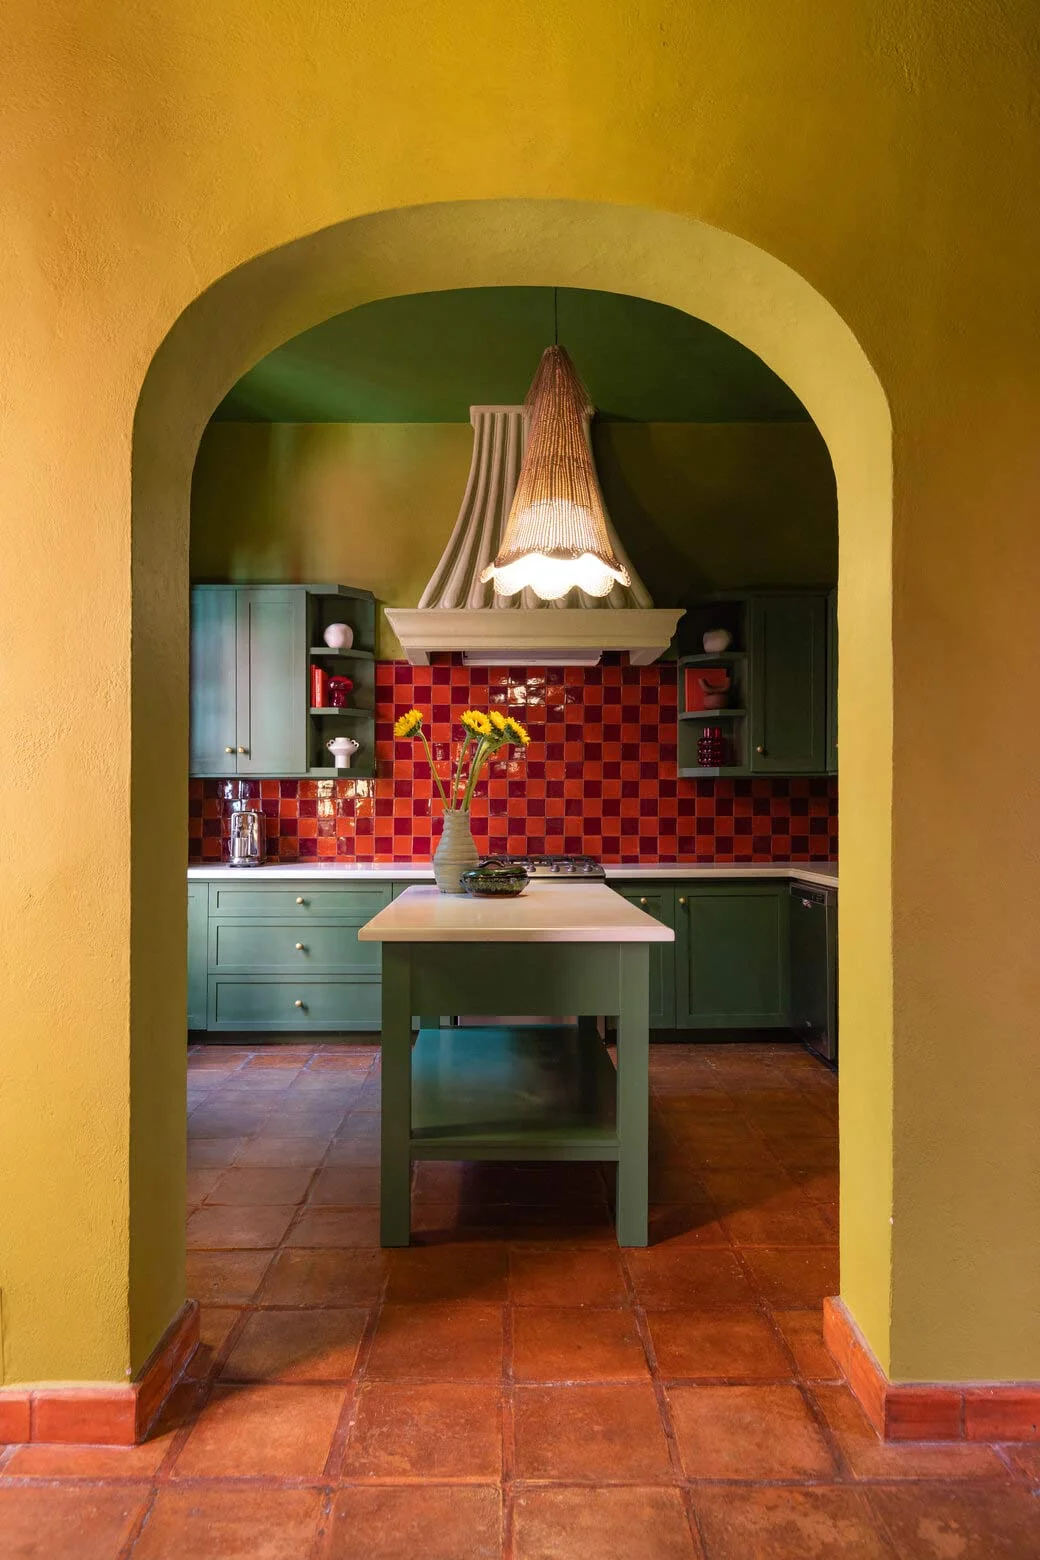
[{"x": 428, "y": 357}]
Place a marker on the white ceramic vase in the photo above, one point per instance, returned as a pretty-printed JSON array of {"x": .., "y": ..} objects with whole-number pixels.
[
  {"x": 455, "y": 852},
  {"x": 342, "y": 750},
  {"x": 339, "y": 636}
]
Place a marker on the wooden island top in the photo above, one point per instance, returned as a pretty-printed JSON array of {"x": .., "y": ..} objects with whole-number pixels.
[{"x": 544, "y": 913}]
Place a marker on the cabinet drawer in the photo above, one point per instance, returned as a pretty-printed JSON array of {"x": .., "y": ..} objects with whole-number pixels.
[
  {"x": 298, "y": 901},
  {"x": 287, "y": 947},
  {"x": 236, "y": 1003}
]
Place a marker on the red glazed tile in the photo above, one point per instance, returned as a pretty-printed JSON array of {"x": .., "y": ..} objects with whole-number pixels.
[
  {"x": 435, "y": 1521},
  {"x": 753, "y": 1432},
  {"x": 426, "y": 1432},
  {"x": 591, "y": 1433},
  {"x": 610, "y": 1524}
]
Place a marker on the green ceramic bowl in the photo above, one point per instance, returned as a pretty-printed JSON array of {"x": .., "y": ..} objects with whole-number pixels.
[{"x": 489, "y": 882}]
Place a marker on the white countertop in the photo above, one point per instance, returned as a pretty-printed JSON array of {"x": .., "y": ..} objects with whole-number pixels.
[
  {"x": 822, "y": 873},
  {"x": 580, "y": 913}
]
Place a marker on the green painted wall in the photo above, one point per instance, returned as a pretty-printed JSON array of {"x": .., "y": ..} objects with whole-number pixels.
[
  {"x": 698, "y": 506},
  {"x": 427, "y": 357}
]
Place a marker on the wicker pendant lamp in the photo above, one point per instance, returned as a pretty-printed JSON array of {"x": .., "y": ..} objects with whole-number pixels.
[{"x": 555, "y": 537}]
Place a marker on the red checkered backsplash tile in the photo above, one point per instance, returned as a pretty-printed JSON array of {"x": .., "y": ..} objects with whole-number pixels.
[{"x": 599, "y": 778}]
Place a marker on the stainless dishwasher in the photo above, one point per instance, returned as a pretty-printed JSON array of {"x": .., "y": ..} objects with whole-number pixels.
[{"x": 814, "y": 968}]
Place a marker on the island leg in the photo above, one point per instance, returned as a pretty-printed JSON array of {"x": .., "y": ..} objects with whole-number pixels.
[
  {"x": 395, "y": 1173},
  {"x": 633, "y": 1093}
]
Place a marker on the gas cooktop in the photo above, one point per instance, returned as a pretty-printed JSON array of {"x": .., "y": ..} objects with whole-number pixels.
[{"x": 556, "y": 868}]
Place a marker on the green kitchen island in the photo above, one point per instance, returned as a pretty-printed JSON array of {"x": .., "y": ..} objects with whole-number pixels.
[{"x": 513, "y": 1092}]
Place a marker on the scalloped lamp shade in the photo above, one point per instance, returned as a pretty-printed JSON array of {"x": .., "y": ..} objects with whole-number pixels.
[{"x": 556, "y": 537}]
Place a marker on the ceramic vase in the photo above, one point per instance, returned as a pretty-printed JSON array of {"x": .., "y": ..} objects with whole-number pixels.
[{"x": 455, "y": 852}]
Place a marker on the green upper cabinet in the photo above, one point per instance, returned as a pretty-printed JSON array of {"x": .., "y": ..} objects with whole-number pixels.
[
  {"x": 252, "y": 647},
  {"x": 214, "y": 679},
  {"x": 272, "y": 672},
  {"x": 731, "y": 955},
  {"x": 789, "y": 684}
]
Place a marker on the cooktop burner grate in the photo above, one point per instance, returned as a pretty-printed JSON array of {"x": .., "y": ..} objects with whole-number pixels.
[{"x": 565, "y": 869}]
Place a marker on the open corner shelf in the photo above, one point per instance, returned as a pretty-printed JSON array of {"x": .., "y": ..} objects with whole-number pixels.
[
  {"x": 724, "y": 658},
  {"x": 343, "y": 655},
  {"x": 711, "y": 714},
  {"x": 335, "y": 709}
]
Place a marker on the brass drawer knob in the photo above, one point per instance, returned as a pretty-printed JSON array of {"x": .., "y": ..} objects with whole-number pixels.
[
  {"x": 643, "y": 900},
  {"x": 298, "y": 1002},
  {"x": 300, "y": 948},
  {"x": 229, "y": 750},
  {"x": 760, "y": 750},
  {"x": 242, "y": 750},
  {"x": 300, "y": 899},
  {"x": 682, "y": 899}
]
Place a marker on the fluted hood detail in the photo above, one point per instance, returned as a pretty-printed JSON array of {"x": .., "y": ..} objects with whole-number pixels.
[{"x": 460, "y": 612}]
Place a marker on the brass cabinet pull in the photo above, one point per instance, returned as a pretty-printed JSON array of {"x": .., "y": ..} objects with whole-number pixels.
[
  {"x": 229, "y": 750},
  {"x": 301, "y": 949},
  {"x": 760, "y": 750},
  {"x": 682, "y": 899},
  {"x": 242, "y": 750},
  {"x": 298, "y": 1002},
  {"x": 643, "y": 900},
  {"x": 300, "y": 899}
]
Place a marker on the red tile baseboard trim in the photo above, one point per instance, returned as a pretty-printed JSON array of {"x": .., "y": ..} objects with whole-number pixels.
[
  {"x": 106, "y": 1415},
  {"x": 928, "y": 1411}
]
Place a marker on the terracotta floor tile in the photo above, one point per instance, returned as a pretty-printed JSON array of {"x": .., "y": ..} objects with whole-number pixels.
[
  {"x": 237, "y": 1228},
  {"x": 416, "y": 1522},
  {"x": 591, "y": 1433},
  {"x": 345, "y": 1186},
  {"x": 1026, "y": 1462},
  {"x": 213, "y": 1151},
  {"x": 212, "y": 1119},
  {"x": 225, "y": 1522},
  {"x": 278, "y": 1152},
  {"x": 360, "y": 1151},
  {"x": 335, "y": 1227},
  {"x": 675, "y": 1275},
  {"x": 282, "y": 1432},
  {"x": 426, "y": 1432},
  {"x": 575, "y": 1343},
  {"x": 793, "y": 1276},
  {"x": 225, "y": 1277},
  {"x": 556, "y": 1274},
  {"x": 803, "y": 1334},
  {"x": 734, "y": 1191},
  {"x": 44, "y": 1461},
  {"x": 685, "y": 1225},
  {"x": 312, "y": 1345},
  {"x": 603, "y": 1524},
  {"x": 438, "y": 1343},
  {"x": 90, "y": 1524},
  {"x": 328, "y": 1276},
  {"x": 460, "y": 1271},
  {"x": 261, "y": 1186},
  {"x": 201, "y": 1179},
  {"x": 788, "y": 1524},
  {"x": 748, "y": 1433},
  {"x": 951, "y": 1522},
  {"x": 732, "y": 1344},
  {"x": 772, "y": 1226},
  {"x": 215, "y": 1323},
  {"x": 869, "y": 1457}
]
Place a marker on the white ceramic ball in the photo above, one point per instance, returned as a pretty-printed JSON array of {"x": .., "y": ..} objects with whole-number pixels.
[
  {"x": 339, "y": 636},
  {"x": 716, "y": 640}
]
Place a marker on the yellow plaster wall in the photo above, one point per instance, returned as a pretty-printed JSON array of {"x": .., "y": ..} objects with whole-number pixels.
[
  {"x": 699, "y": 506},
  {"x": 883, "y": 154}
]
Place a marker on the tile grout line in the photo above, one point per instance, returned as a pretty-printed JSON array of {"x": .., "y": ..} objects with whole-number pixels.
[{"x": 507, "y": 1470}]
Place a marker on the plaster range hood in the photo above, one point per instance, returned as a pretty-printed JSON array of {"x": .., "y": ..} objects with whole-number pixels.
[{"x": 458, "y": 613}]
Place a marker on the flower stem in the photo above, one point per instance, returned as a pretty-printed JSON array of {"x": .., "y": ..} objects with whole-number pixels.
[
  {"x": 484, "y": 748},
  {"x": 433, "y": 770},
  {"x": 458, "y": 768}
]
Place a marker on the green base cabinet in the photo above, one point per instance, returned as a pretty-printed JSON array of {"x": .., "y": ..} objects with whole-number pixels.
[
  {"x": 731, "y": 956},
  {"x": 660, "y": 903},
  {"x": 198, "y": 929}
]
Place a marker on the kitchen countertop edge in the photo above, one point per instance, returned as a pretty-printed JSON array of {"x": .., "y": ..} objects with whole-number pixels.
[{"x": 820, "y": 873}]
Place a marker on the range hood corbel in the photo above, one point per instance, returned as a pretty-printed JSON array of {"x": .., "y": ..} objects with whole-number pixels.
[{"x": 460, "y": 614}]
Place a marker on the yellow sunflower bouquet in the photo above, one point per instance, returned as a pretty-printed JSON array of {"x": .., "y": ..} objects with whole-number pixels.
[{"x": 484, "y": 733}]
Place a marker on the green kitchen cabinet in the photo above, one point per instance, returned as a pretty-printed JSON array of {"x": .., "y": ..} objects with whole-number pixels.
[
  {"x": 214, "y": 681},
  {"x": 731, "y": 955},
  {"x": 252, "y": 649},
  {"x": 198, "y": 934},
  {"x": 814, "y": 967},
  {"x": 789, "y": 684},
  {"x": 657, "y": 900},
  {"x": 832, "y": 682}
]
